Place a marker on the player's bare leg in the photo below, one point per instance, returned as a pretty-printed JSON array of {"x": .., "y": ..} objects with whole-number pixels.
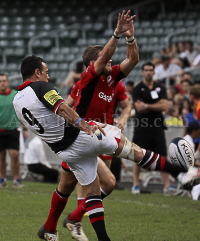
[
  {"x": 136, "y": 181},
  {"x": 106, "y": 178},
  {"x": 3, "y": 168},
  {"x": 107, "y": 182},
  {"x": 148, "y": 159},
  {"x": 14, "y": 156},
  {"x": 3, "y": 164},
  {"x": 108, "y": 163}
]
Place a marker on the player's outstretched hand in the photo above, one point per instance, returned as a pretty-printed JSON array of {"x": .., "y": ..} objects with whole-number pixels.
[
  {"x": 125, "y": 21},
  {"x": 130, "y": 32}
]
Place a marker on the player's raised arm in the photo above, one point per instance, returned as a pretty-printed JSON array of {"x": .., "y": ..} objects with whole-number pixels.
[
  {"x": 132, "y": 57},
  {"x": 124, "y": 23}
]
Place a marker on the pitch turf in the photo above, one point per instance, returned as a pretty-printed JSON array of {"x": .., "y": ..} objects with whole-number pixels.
[{"x": 128, "y": 217}]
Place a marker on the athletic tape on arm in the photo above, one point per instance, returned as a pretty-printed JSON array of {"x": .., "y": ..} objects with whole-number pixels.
[{"x": 127, "y": 151}]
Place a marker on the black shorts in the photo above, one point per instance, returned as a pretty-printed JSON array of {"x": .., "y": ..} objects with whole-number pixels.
[
  {"x": 155, "y": 142},
  {"x": 9, "y": 140}
]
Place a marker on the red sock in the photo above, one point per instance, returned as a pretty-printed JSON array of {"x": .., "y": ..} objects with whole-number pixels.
[
  {"x": 80, "y": 200},
  {"x": 58, "y": 204},
  {"x": 78, "y": 213}
]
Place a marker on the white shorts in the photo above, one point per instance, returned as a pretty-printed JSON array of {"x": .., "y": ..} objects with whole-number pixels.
[{"x": 81, "y": 156}]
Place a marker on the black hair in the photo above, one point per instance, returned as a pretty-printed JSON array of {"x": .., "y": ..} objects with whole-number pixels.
[
  {"x": 1, "y": 74},
  {"x": 29, "y": 65},
  {"x": 91, "y": 53},
  {"x": 148, "y": 64},
  {"x": 192, "y": 126},
  {"x": 78, "y": 66},
  {"x": 130, "y": 83}
]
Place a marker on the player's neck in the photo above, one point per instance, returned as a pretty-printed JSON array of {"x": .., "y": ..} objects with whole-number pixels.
[{"x": 149, "y": 84}]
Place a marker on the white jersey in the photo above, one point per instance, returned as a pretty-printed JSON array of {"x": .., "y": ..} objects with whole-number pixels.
[{"x": 36, "y": 104}]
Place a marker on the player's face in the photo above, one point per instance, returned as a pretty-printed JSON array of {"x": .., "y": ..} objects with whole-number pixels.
[
  {"x": 148, "y": 73},
  {"x": 4, "y": 83},
  {"x": 45, "y": 73}
]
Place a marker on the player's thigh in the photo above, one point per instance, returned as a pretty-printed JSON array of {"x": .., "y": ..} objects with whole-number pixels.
[
  {"x": 3, "y": 155},
  {"x": 106, "y": 177}
]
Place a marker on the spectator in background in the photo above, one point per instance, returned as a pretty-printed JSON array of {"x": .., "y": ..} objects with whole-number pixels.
[
  {"x": 172, "y": 117},
  {"x": 165, "y": 68},
  {"x": 150, "y": 101},
  {"x": 186, "y": 84},
  {"x": 74, "y": 75},
  {"x": 186, "y": 107},
  {"x": 190, "y": 118},
  {"x": 196, "y": 61},
  {"x": 173, "y": 53},
  {"x": 9, "y": 135},
  {"x": 195, "y": 97},
  {"x": 178, "y": 102},
  {"x": 36, "y": 160},
  {"x": 190, "y": 52},
  {"x": 156, "y": 59},
  {"x": 183, "y": 76},
  {"x": 181, "y": 49}
]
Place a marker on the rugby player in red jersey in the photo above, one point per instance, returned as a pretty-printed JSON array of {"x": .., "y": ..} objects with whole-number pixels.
[{"x": 106, "y": 178}]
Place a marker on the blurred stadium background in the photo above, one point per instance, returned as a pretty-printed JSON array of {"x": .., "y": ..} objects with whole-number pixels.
[{"x": 58, "y": 31}]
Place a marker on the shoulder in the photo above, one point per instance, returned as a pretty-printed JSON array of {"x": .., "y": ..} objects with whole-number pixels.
[
  {"x": 41, "y": 84},
  {"x": 138, "y": 85},
  {"x": 120, "y": 86},
  {"x": 158, "y": 68},
  {"x": 174, "y": 67}
]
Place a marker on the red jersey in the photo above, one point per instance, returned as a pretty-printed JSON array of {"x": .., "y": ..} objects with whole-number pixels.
[{"x": 96, "y": 96}]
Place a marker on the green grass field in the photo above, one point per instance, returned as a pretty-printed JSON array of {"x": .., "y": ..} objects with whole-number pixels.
[{"x": 128, "y": 217}]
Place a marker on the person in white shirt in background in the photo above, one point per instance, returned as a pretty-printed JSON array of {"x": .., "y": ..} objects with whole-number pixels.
[
  {"x": 190, "y": 52},
  {"x": 193, "y": 132},
  {"x": 166, "y": 67},
  {"x": 36, "y": 160}
]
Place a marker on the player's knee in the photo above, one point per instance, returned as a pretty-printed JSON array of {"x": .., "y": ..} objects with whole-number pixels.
[
  {"x": 110, "y": 185},
  {"x": 127, "y": 151}
]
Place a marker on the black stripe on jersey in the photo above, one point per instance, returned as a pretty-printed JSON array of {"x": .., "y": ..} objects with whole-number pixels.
[
  {"x": 41, "y": 88},
  {"x": 86, "y": 97},
  {"x": 120, "y": 76}
]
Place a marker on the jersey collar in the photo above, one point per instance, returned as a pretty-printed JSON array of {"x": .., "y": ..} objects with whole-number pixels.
[
  {"x": 7, "y": 92},
  {"x": 26, "y": 83}
]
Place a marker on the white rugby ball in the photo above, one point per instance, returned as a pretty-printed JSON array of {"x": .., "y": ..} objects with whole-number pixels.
[{"x": 181, "y": 153}]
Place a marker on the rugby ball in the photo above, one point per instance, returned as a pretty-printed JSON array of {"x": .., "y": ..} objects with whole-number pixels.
[{"x": 181, "y": 153}]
